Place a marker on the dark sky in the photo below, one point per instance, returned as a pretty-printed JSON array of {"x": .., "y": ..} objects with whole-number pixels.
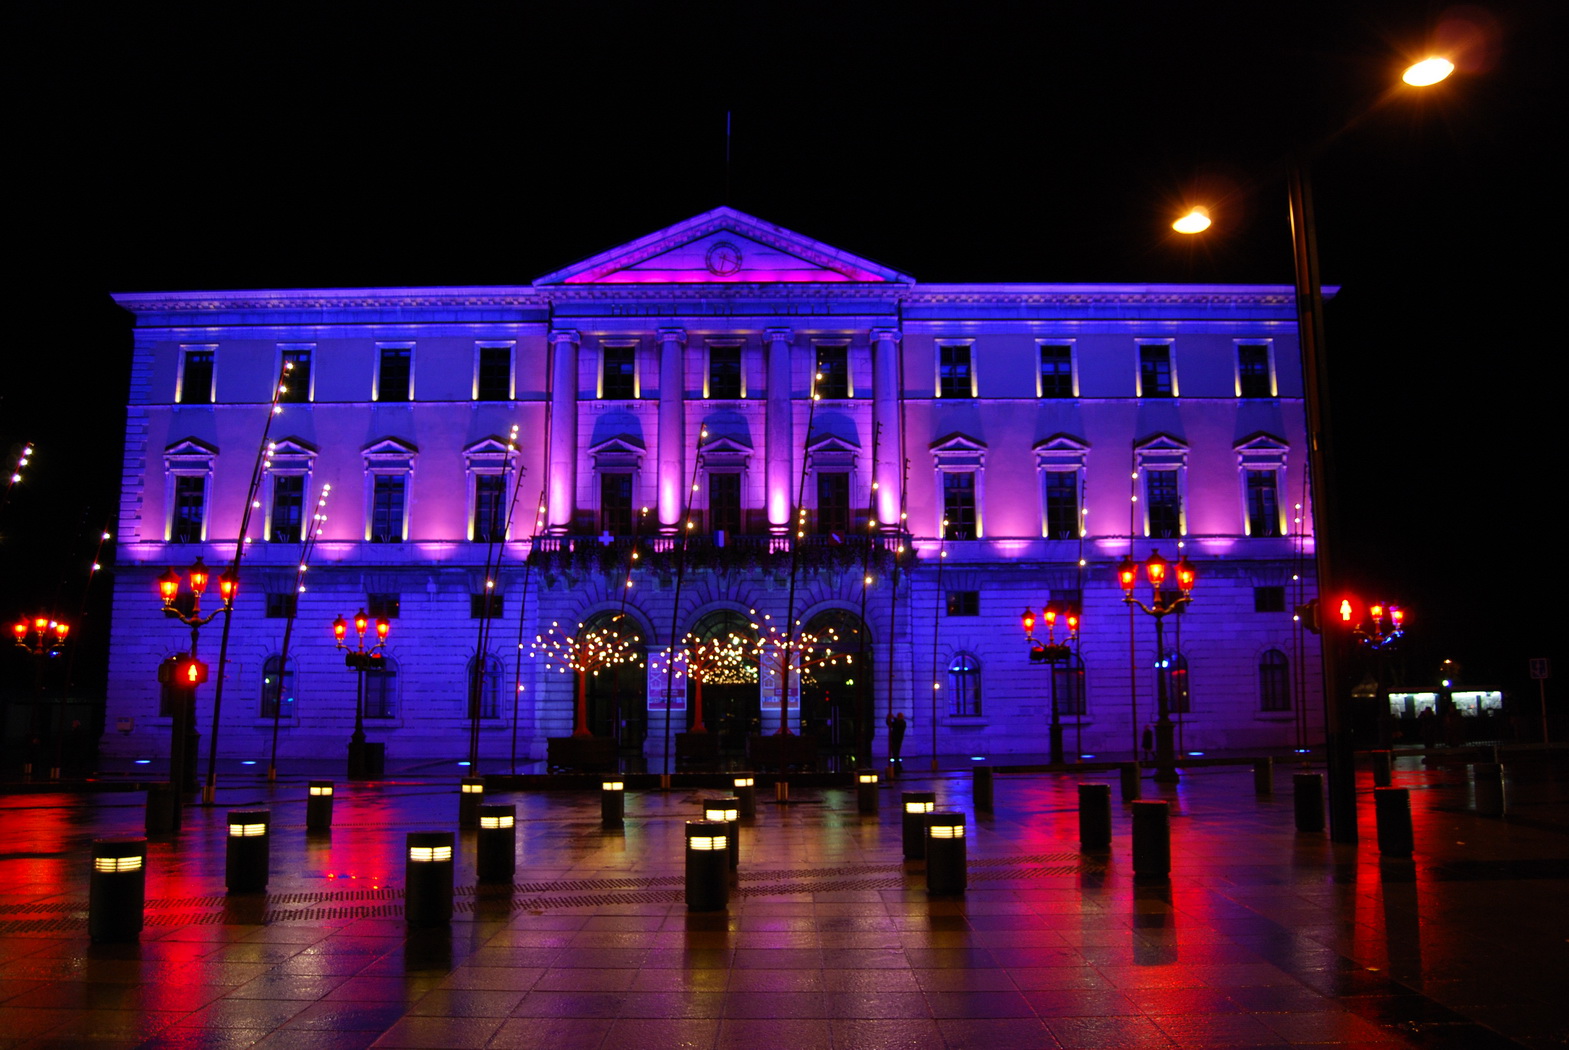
[{"x": 265, "y": 146}]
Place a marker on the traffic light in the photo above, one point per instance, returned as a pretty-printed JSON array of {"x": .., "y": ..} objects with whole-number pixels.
[
  {"x": 1307, "y": 615},
  {"x": 1347, "y": 614},
  {"x": 190, "y": 672}
]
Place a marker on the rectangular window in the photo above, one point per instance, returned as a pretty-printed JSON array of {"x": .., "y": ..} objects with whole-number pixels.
[
  {"x": 724, "y": 503},
  {"x": 381, "y": 690},
  {"x": 1155, "y": 370},
  {"x": 196, "y": 378},
  {"x": 1263, "y": 507},
  {"x": 833, "y": 503},
  {"x": 296, "y": 380},
  {"x": 953, "y": 372},
  {"x": 383, "y": 605},
  {"x": 1062, "y": 504},
  {"x": 1163, "y": 503},
  {"x": 288, "y": 508},
  {"x": 1056, "y": 371},
  {"x": 1253, "y": 379},
  {"x": 386, "y": 508},
  {"x": 724, "y": 371},
  {"x": 964, "y": 603},
  {"x": 615, "y": 504},
  {"x": 958, "y": 504},
  {"x": 487, "y": 606},
  {"x": 619, "y": 383},
  {"x": 1269, "y": 599},
  {"x": 490, "y": 492},
  {"x": 394, "y": 377},
  {"x": 494, "y": 379},
  {"x": 281, "y": 606},
  {"x": 190, "y": 504},
  {"x": 833, "y": 372}
]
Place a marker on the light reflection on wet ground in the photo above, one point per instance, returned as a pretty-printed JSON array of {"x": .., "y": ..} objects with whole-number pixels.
[{"x": 1262, "y": 937}]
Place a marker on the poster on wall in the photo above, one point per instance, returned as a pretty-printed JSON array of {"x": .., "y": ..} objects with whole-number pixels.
[
  {"x": 658, "y": 684},
  {"x": 771, "y": 684}
]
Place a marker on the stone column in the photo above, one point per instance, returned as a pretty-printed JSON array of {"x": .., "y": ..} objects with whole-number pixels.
[
  {"x": 561, "y": 490},
  {"x": 672, "y": 429},
  {"x": 779, "y": 432},
  {"x": 888, "y": 471}
]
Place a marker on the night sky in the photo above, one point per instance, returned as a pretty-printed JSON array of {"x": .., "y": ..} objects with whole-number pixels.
[{"x": 270, "y": 147}]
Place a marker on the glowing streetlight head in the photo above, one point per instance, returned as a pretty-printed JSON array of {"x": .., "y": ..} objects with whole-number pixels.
[
  {"x": 1195, "y": 220},
  {"x": 1427, "y": 72}
]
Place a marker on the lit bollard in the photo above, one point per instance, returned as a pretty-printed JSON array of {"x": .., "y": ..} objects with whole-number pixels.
[
  {"x": 707, "y": 865},
  {"x": 866, "y": 792},
  {"x": 781, "y": 790},
  {"x": 981, "y": 783},
  {"x": 729, "y": 811},
  {"x": 1151, "y": 841},
  {"x": 1263, "y": 776},
  {"x": 946, "y": 867},
  {"x": 917, "y": 806},
  {"x": 1132, "y": 781},
  {"x": 1383, "y": 771},
  {"x": 1487, "y": 789},
  {"x": 117, "y": 890},
  {"x": 746, "y": 793},
  {"x": 318, "y": 806},
  {"x": 1094, "y": 817},
  {"x": 427, "y": 878},
  {"x": 496, "y": 853},
  {"x": 1392, "y": 808},
  {"x": 612, "y": 803},
  {"x": 1307, "y": 790},
  {"x": 471, "y": 792},
  {"x": 249, "y": 852}
]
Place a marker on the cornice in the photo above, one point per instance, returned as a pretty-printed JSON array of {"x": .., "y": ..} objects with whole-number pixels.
[{"x": 328, "y": 299}]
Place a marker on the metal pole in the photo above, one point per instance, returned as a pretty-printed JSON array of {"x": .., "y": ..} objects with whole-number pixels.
[
  {"x": 1315, "y": 374},
  {"x": 1165, "y": 759}
]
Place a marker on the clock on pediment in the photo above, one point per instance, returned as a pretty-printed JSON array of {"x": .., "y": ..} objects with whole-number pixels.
[{"x": 723, "y": 258}]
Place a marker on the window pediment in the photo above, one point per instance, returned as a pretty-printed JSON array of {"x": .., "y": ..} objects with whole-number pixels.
[
  {"x": 726, "y": 452},
  {"x": 958, "y": 451},
  {"x": 832, "y": 453},
  {"x": 1162, "y": 450},
  {"x": 1063, "y": 451},
  {"x": 390, "y": 454},
  {"x": 623, "y": 450},
  {"x": 190, "y": 454},
  {"x": 490, "y": 453},
  {"x": 291, "y": 455},
  {"x": 1261, "y": 451}
]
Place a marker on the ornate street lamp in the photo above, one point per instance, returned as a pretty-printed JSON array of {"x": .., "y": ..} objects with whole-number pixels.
[
  {"x": 360, "y": 660},
  {"x": 42, "y": 637},
  {"x": 1163, "y": 604},
  {"x": 186, "y": 607},
  {"x": 1053, "y": 653}
]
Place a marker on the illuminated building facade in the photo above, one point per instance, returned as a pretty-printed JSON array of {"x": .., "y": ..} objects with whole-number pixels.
[{"x": 905, "y": 467}]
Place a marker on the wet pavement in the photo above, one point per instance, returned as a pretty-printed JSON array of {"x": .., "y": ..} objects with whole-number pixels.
[{"x": 1263, "y": 936}]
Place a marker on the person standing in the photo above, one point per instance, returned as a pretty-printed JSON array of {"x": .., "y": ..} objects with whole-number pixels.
[
  {"x": 1147, "y": 742},
  {"x": 896, "y": 727}
]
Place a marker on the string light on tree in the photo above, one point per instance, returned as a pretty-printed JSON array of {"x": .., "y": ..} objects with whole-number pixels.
[{"x": 586, "y": 653}]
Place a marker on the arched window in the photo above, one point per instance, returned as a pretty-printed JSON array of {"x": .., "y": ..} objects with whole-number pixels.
[
  {"x": 277, "y": 688},
  {"x": 487, "y": 693},
  {"x": 1274, "y": 681},
  {"x": 381, "y": 690},
  {"x": 1179, "y": 697},
  {"x": 964, "y": 684},
  {"x": 1068, "y": 680}
]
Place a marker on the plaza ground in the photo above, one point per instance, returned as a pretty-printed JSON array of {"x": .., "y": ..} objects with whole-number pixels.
[{"x": 1262, "y": 937}]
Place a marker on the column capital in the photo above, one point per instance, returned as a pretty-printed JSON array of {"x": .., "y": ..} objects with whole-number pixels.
[
  {"x": 886, "y": 335},
  {"x": 778, "y": 335},
  {"x": 565, "y": 335},
  {"x": 673, "y": 335}
]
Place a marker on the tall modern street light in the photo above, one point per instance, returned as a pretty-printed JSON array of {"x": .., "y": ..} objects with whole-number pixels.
[
  {"x": 1163, "y": 604},
  {"x": 1315, "y": 372},
  {"x": 361, "y": 660}
]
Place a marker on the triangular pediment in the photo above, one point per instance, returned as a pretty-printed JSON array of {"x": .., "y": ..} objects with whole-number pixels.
[
  {"x": 389, "y": 446},
  {"x": 191, "y": 448},
  {"x": 724, "y": 246},
  {"x": 725, "y": 448}
]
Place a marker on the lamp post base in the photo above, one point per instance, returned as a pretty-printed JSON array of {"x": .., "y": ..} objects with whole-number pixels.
[
  {"x": 1056, "y": 743},
  {"x": 357, "y": 757}
]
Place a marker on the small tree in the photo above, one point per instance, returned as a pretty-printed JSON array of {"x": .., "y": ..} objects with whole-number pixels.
[
  {"x": 783, "y": 653},
  {"x": 586, "y": 653},
  {"x": 714, "y": 661}
]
